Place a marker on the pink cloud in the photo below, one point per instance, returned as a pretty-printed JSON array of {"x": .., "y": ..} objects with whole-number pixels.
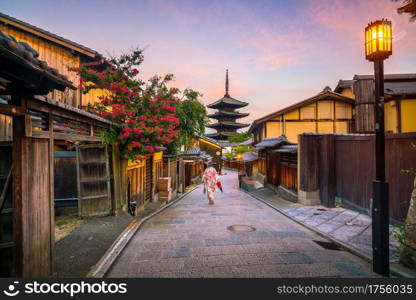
[{"x": 346, "y": 20}]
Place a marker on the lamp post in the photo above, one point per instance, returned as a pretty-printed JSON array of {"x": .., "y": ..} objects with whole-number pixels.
[{"x": 378, "y": 47}]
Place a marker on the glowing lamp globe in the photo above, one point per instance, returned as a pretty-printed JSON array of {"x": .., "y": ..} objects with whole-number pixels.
[{"x": 378, "y": 40}]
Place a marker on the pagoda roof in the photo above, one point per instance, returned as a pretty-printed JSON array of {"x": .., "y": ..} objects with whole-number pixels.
[
  {"x": 227, "y": 124},
  {"x": 222, "y": 113},
  {"x": 220, "y": 135},
  {"x": 227, "y": 101}
]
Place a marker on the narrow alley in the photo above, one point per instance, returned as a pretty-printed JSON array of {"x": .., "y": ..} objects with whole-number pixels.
[{"x": 193, "y": 239}]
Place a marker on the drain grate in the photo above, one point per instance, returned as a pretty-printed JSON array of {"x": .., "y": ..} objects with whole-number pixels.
[
  {"x": 321, "y": 209},
  {"x": 329, "y": 245},
  {"x": 241, "y": 228}
]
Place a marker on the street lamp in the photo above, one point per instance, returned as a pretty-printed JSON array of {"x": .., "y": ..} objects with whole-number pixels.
[{"x": 378, "y": 47}]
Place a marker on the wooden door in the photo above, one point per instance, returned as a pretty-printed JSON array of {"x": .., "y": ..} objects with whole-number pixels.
[
  {"x": 6, "y": 211},
  {"x": 93, "y": 180},
  {"x": 273, "y": 168}
]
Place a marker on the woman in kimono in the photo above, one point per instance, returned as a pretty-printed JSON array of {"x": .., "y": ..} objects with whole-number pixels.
[{"x": 210, "y": 179}]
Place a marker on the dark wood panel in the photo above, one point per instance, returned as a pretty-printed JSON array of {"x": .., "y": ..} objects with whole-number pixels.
[
  {"x": 327, "y": 170},
  {"x": 6, "y": 212},
  {"x": 399, "y": 156},
  {"x": 93, "y": 180},
  {"x": 355, "y": 171},
  {"x": 309, "y": 162},
  {"x": 65, "y": 178}
]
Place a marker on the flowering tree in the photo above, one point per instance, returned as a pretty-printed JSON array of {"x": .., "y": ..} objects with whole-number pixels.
[
  {"x": 144, "y": 111},
  {"x": 192, "y": 116}
]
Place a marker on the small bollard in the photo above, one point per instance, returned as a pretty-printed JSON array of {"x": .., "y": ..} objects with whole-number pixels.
[{"x": 240, "y": 175}]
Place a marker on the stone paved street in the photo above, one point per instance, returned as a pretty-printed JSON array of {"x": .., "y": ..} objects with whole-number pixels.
[
  {"x": 346, "y": 226},
  {"x": 190, "y": 239}
]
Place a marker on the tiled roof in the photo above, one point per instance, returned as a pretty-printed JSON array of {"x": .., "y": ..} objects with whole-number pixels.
[
  {"x": 287, "y": 149},
  {"x": 227, "y": 100},
  {"x": 250, "y": 156},
  {"x": 227, "y": 124},
  {"x": 214, "y": 141},
  {"x": 246, "y": 143},
  {"x": 272, "y": 142},
  {"x": 226, "y": 134},
  {"x": 400, "y": 88},
  {"x": 222, "y": 113},
  {"x": 226, "y": 144},
  {"x": 196, "y": 153},
  {"x": 408, "y": 76},
  {"x": 24, "y": 55},
  {"x": 343, "y": 84}
]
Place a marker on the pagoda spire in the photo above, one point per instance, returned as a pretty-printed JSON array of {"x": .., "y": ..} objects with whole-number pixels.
[{"x": 226, "y": 83}]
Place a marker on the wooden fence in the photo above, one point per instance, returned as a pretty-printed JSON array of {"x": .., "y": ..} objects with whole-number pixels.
[
  {"x": 279, "y": 168},
  {"x": 235, "y": 165},
  {"x": 136, "y": 182},
  {"x": 171, "y": 169},
  {"x": 289, "y": 171},
  {"x": 344, "y": 168}
]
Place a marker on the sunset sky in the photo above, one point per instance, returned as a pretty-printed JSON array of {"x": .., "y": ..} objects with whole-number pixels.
[{"x": 277, "y": 52}]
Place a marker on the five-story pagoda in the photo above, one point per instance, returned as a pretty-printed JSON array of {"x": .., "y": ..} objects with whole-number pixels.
[{"x": 226, "y": 115}]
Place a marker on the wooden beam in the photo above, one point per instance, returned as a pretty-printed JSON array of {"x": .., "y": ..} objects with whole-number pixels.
[
  {"x": 12, "y": 110},
  {"x": 40, "y": 134},
  {"x": 28, "y": 125},
  {"x": 52, "y": 191},
  {"x": 75, "y": 137},
  {"x": 61, "y": 112},
  {"x": 31, "y": 204}
]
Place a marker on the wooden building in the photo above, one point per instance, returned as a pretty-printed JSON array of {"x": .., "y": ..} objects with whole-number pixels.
[
  {"x": 399, "y": 106},
  {"x": 326, "y": 112},
  {"x": 212, "y": 148},
  {"x": 27, "y": 161},
  {"x": 49, "y": 145},
  {"x": 59, "y": 53},
  {"x": 278, "y": 163}
]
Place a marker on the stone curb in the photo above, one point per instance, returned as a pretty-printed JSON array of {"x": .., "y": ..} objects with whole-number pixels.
[
  {"x": 100, "y": 269},
  {"x": 393, "y": 269}
]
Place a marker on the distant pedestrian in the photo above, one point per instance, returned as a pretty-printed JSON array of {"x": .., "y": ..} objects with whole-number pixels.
[{"x": 210, "y": 179}]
